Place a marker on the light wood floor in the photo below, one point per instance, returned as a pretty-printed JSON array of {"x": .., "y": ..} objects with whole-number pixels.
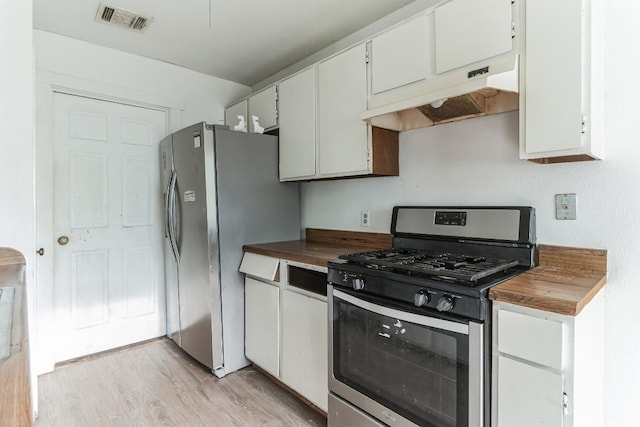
[{"x": 156, "y": 384}]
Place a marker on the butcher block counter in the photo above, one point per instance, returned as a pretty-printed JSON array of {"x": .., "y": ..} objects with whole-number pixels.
[
  {"x": 15, "y": 407},
  {"x": 321, "y": 246},
  {"x": 564, "y": 281}
]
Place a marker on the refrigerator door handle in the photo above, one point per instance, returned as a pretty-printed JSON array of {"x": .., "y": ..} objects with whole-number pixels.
[
  {"x": 173, "y": 218},
  {"x": 166, "y": 206}
]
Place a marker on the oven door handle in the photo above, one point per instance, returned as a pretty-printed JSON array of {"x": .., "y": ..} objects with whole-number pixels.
[{"x": 432, "y": 322}]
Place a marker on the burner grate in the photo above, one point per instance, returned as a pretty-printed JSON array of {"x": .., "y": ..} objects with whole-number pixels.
[{"x": 460, "y": 267}]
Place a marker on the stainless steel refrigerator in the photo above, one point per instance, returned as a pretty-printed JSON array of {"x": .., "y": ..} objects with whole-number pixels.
[{"x": 221, "y": 190}]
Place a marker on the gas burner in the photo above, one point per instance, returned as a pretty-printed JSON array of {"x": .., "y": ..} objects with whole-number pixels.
[{"x": 464, "y": 268}]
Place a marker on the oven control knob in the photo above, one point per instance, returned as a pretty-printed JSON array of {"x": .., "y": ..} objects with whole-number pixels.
[
  {"x": 420, "y": 298},
  {"x": 358, "y": 284},
  {"x": 444, "y": 304}
]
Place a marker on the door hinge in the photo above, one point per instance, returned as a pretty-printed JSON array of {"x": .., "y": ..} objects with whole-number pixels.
[
  {"x": 565, "y": 403},
  {"x": 277, "y": 104},
  {"x": 583, "y": 126}
]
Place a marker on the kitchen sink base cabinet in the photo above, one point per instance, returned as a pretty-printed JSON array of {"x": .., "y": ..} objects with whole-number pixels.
[{"x": 547, "y": 367}]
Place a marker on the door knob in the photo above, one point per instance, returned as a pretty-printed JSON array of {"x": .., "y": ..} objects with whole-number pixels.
[{"x": 63, "y": 240}]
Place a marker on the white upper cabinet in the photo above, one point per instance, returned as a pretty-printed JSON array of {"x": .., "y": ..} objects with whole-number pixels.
[
  {"x": 399, "y": 56},
  {"x": 468, "y": 31},
  {"x": 343, "y": 144},
  {"x": 297, "y": 116},
  {"x": 235, "y": 116},
  {"x": 263, "y": 111},
  {"x": 560, "y": 99}
]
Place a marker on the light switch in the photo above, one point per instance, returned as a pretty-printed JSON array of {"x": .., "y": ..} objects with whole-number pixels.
[{"x": 566, "y": 206}]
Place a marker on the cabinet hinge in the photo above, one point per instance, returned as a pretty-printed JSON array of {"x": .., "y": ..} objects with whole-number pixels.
[
  {"x": 277, "y": 104},
  {"x": 565, "y": 403},
  {"x": 366, "y": 57},
  {"x": 513, "y": 29},
  {"x": 583, "y": 128}
]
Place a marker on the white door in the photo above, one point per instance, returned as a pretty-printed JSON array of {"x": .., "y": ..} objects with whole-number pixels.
[
  {"x": 297, "y": 117},
  {"x": 343, "y": 141},
  {"x": 109, "y": 276}
]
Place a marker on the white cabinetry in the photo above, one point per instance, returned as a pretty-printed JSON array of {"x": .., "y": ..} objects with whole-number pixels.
[
  {"x": 561, "y": 81},
  {"x": 547, "y": 367},
  {"x": 343, "y": 143},
  {"x": 304, "y": 346},
  {"x": 399, "y": 56},
  {"x": 321, "y": 133},
  {"x": 286, "y": 324},
  {"x": 262, "y": 330},
  {"x": 235, "y": 116},
  {"x": 468, "y": 31},
  {"x": 263, "y": 110},
  {"x": 297, "y": 115}
]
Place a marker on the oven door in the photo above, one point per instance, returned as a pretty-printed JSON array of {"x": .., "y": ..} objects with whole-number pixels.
[{"x": 405, "y": 368}]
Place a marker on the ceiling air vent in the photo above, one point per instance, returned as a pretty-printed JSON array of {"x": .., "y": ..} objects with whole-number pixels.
[{"x": 122, "y": 18}]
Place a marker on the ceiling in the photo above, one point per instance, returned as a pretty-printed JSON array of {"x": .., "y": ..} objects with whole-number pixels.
[{"x": 244, "y": 41}]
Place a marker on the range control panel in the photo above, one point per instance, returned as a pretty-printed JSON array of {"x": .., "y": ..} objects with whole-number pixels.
[{"x": 425, "y": 296}]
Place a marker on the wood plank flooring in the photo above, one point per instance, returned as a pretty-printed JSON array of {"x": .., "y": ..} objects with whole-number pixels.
[{"x": 156, "y": 384}]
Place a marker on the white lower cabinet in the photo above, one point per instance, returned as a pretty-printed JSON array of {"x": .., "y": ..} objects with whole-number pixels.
[
  {"x": 262, "y": 324},
  {"x": 528, "y": 395},
  {"x": 304, "y": 346},
  {"x": 286, "y": 326},
  {"x": 547, "y": 367}
]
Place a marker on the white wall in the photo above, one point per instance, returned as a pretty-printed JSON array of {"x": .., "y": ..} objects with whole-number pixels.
[
  {"x": 476, "y": 162},
  {"x": 108, "y": 71},
  {"x": 16, "y": 127}
]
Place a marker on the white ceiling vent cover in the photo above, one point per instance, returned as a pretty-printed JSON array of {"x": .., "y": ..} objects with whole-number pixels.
[{"x": 122, "y": 18}]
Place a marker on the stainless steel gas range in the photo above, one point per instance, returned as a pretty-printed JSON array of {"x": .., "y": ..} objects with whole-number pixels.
[{"x": 410, "y": 325}]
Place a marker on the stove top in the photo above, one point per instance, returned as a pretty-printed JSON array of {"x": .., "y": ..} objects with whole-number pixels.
[
  {"x": 442, "y": 259},
  {"x": 465, "y": 269}
]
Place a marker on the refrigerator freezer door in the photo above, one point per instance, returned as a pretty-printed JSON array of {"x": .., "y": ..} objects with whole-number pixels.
[{"x": 194, "y": 232}]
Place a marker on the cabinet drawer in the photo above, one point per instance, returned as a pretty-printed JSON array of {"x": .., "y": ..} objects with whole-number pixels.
[
  {"x": 309, "y": 280},
  {"x": 534, "y": 339},
  {"x": 261, "y": 266}
]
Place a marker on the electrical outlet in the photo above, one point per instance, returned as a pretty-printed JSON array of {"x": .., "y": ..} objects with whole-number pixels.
[
  {"x": 566, "y": 206},
  {"x": 365, "y": 218}
]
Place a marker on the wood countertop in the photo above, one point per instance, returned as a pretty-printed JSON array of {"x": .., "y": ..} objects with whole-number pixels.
[
  {"x": 15, "y": 397},
  {"x": 321, "y": 246},
  {"x": 564, "y": 281}
]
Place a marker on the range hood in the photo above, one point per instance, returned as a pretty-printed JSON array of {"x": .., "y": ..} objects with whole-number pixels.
[{"x": 456, "y": 95}]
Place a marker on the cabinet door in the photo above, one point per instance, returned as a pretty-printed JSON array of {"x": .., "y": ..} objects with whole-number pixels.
[
  {"x": 542, "y": 344},
  {"x": 553, "y": 76},
  {"x": 468, "y": 31},
  {"x": 297, "y": 116},
  {"x": 235, "y": 116},
  {"x": 263, "y": 110},
  {"x": 342, "y": 97},
  {"x": 262, "y": 324},
  {"x": 399, "y": 56},
  {"x": 528, "y": 395},
  {"x": 304, "y": 346}
]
